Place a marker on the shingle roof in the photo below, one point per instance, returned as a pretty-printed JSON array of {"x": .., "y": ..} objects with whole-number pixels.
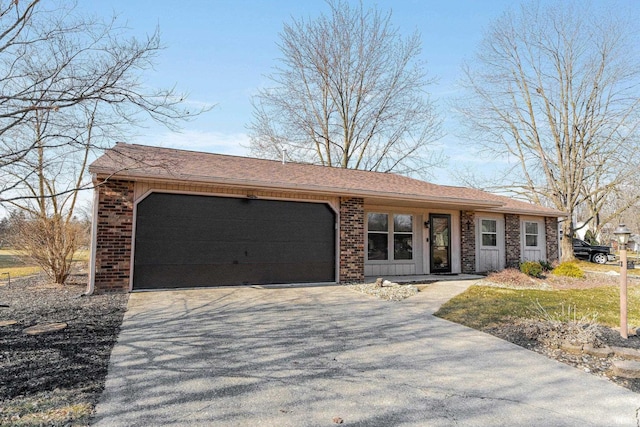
[{"x": 141, "y": 162}]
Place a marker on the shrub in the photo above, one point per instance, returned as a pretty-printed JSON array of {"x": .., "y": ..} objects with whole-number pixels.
[
  {"x": 546, "y": 265},
  {"x": 568, "y": 269},
  {"x": 564, "y": 326},
  {"x": 531, "y": 268}
]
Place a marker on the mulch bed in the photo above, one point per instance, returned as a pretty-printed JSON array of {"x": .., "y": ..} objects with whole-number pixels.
[
  {"x": 55, "y": 378},
  {"x": 517, "y": 331}
]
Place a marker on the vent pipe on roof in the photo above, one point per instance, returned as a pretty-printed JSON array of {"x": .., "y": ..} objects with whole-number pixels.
[{"x": 284, "y": 155}]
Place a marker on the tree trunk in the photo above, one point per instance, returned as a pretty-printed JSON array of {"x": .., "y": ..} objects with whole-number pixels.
[{"x": 566, "y": 243}]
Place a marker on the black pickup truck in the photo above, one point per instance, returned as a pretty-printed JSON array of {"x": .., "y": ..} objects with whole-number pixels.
[{"x": 593, "y": 253}]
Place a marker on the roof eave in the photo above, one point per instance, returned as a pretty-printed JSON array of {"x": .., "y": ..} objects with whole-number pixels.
[
  {"x": 302, "y": 188},
  {"x": 533, "y": 212}
]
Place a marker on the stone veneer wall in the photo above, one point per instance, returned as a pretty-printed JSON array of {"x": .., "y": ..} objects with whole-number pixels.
[
  {"x": 512, "y": 239},
  {"x": 468, "y": 241},
  {"x": 114, "y": 233},
  {"x": 351, "y": 240},
  {"x": 551, "y": 233}
]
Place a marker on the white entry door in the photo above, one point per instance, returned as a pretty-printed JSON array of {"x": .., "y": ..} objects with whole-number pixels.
[
  {"x": 534, "y": 247},
  {"x": 490, "y": 243}
]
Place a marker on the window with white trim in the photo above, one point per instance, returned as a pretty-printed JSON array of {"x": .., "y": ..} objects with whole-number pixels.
[
  {"x": 377, "y": 236},
  {"x": 402, "y": 236},
  {"x": 489, "y": 229},
  {"x": 531, "y": 234},
  {"x": 385, "y": 237}
]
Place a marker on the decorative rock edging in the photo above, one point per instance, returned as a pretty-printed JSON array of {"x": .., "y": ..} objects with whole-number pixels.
[
  {"x": 627, "y": 353},
  {"x": 629, "y": 367},
  {"x": 572, "y": 348},
  {"x": 626, "y": 368},
  {"x": 601, "y": 352}
]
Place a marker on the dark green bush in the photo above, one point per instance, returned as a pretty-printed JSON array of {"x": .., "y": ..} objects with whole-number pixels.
[
  {"x": 568, "y": 269},
  {"x": 531, "y": 268},
  {"x": 546, "y": 265}
]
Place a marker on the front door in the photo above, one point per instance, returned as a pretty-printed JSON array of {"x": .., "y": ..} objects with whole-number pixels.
[{"x": 440, "y": 243}]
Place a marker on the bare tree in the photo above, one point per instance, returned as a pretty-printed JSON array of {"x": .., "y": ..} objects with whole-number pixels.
[
  {"x": 52, "y": 59},
  {"x": 556, "y": 89},
  {"x": 71, "y": 85},
  {"x": 47, "y": 230},
  {"x": 349, "y": 92},
  {"x": 609, "y": 194}
]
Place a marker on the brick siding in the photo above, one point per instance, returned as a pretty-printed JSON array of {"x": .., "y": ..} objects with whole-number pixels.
[
  {"x": 512, "y": 240},
  {"x": 351, "y": 239},
  {"x": 468, "y": 241},
  {"x": 551, "y": 233},
  {"x": 114, "y": 233}
]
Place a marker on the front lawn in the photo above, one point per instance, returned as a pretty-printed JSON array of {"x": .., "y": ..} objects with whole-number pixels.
[
  {"x": 553, "y": 316},
  {"x": 482, "y": 306}
]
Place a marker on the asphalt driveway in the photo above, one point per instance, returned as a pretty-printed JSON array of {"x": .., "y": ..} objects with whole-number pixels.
[{"x": 313, "y": 356}]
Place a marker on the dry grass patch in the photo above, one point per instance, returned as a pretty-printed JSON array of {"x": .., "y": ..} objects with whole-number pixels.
[{"x": 513, "y": 278}]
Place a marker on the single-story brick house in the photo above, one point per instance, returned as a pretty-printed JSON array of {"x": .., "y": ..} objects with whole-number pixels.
[{"x": 166, "y": 218}]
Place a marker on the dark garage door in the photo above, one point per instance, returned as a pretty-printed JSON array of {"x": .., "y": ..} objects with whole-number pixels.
[{"x": 191, "y": 241}]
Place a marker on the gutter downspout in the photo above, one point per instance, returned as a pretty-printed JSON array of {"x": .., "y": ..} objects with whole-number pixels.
[{"x": 94, "y": 235}]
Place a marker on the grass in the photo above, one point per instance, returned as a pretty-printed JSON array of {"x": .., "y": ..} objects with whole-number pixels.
[
  {"x": 17, "y": 263},
  {"x": 480, "y": 307},
  {"x": 601, "y": 268},
  {"x": 46, "y": 408}
]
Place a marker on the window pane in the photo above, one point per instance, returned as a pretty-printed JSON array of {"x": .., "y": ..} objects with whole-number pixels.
[
  {"x": 531, "y": 228},
  {"x": 531, "y": 240},
  {"x": 403, "y": 223},
  {"x": 402, "y": 246},
  {"x": 489, "y": 226},
  {"x": 377, "y": 243},
  {"x": 378, "y": 222},
  {"x": 489, "y": 240}
]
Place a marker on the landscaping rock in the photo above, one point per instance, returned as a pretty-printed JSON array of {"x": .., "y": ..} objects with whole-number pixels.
[
  {"x": 602, "y": 352},
  {"x": 389, "y": 293},
  {"x": 627, "y": 353},
  {"x": 626, "y": 368},
  {"x": 45, "y": 328},
  {"x": 571, "y": 348},
  {"x": 7, "y": 322}
]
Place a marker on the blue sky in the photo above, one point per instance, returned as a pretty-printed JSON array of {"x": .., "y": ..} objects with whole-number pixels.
[{"x": 220, "y": 50}]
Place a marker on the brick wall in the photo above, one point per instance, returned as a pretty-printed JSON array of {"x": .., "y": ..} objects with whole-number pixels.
[
  {"x": 468, "y": 241},
  {"x": 351, "y": 239},
  {"x": 551, "y": 234},
  {"x": 512, "y": 239},
  {"x": 114, "y": 236}
]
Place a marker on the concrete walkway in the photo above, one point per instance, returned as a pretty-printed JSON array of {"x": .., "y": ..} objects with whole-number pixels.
[{"x": 316, "y": 355}]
